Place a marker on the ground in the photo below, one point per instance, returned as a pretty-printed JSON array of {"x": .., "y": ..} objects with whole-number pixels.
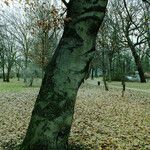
[{"x": 103, "y": 120}]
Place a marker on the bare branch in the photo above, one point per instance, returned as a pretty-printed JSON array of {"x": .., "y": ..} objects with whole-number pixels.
[
  {"x": 146, "y": 1},
  {"x": 65, "y": 3},
  {"x": 139, "y": 43},
  {"x": 125, "y": 4}
]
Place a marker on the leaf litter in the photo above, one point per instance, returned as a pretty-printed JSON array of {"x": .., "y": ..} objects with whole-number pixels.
[{"x": 103, "y": 120}]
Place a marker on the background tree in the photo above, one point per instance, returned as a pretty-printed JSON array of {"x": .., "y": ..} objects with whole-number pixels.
[
  {"x": 45, "y": 26},
  {"x": 7, "y": 53},
  {"x": 122, "y": 35},
  {"x": 18, "y": 28}
]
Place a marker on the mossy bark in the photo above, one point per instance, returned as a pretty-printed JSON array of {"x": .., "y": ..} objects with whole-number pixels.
[{"x": 52, "y": 116}]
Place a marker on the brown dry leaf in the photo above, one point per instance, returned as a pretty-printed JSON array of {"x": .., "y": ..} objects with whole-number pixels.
[{"x": 102, "y": 120}]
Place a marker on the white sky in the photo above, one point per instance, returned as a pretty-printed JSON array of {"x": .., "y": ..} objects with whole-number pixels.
[
  {"x": 15, "y": 3},
  {"x": 16, "y": 8}
]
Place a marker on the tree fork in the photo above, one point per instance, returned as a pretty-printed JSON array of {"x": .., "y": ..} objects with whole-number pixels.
[{"x": 52, "y": 115}]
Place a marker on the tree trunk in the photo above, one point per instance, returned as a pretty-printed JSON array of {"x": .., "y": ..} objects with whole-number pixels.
[
  {"x": 105, "y": 83},
  {"x": 138, "y": 65},
  {"x": 123, "y": 79},
  {"x": 52, "y": 116},
  {"x": 87, "y": 74},
  {"x": 25, "y": 69},
  {"x": 7, "y": 77},
  {"x": 135, "y": 55},
  {"x": 8, "y": 74},
  {"x": 137, "y": 61},
  {"x": 18, "y": 75},
  {"x": 3, "y": 66},
  {"x": 92, "y": 73},
  {"x": 109, "y": 69},
  {"x": 104, "y": 70},
  {"x": 3, "y": 70},
  {"x": 96, "y": 73},
  {"x": 31, "y": 81}
]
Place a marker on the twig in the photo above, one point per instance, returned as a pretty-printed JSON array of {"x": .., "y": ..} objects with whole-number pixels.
[{"x": 146, "y": 1}]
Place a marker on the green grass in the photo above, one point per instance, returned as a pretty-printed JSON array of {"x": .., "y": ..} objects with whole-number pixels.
[
  {"x": 133, "y": 85},
  {"x": 137, "y": 85},
  {"x": 13, "y": 86},
  {"x": 17, "y": 86}
]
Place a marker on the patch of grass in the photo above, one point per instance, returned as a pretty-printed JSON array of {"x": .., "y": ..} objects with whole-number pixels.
[
  {"x": 134, "y": 85},
  {"x": 17, "y": 86},
  {"x": 13, "y": 86}
]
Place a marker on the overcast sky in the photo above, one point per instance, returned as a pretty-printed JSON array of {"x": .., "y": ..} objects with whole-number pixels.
[{"x": 16, "y": 8}]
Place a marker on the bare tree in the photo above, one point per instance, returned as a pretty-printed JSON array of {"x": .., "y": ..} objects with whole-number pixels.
[{"x": 8, "y": 53}]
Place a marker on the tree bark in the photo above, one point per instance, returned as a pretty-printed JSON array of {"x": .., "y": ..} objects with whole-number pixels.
[
  {"x": 92, "y": 73},
  {"x": 3, "y": 65},
  {"x": 123, "y": 79},
  {"x": 133, "y": 49},
  {"x": 3, "y": 70},
  {"x": 26, "y": 67},
  {"x": 104, "y": 70},
  {"x": 8, "y": 72},
  {"x": 18, "y": 75},
  {"x": 52, "y": 116},
  {"x": 137, "y": 60},
  {"x": 8, "y": 76},
  {"x": 96, "y": 73},
  {"x": 109, "y": 69}
]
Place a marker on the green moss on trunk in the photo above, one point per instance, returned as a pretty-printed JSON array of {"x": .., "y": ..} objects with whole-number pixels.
[{"x": 53, "y": 112}]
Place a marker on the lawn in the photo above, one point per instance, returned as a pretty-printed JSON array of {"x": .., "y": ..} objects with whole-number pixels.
[
  {"x": 13, "y": 86},
  {"x": 145, "y": 87},
  {"x": 17, "y": 86},
  {"x": 102, "y": 121},
  {"x": 134, "y": 85}
]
